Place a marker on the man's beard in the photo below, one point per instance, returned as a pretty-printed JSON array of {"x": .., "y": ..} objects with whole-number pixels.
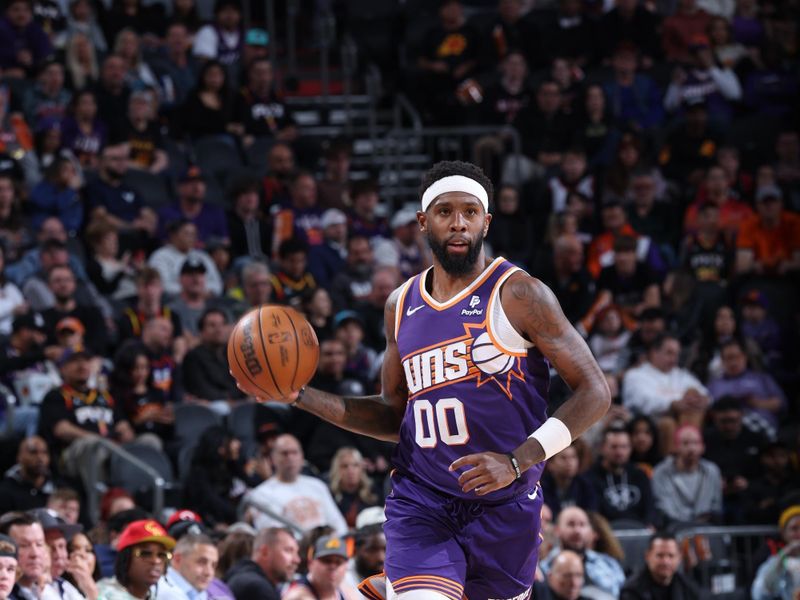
[{"x": 455, "y": 265}]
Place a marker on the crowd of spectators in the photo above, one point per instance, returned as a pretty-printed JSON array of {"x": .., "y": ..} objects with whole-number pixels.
[{"x": 654, "y": 187}]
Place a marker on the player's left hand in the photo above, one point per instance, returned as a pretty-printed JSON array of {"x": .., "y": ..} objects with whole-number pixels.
[{"x": 490, "y": 471}]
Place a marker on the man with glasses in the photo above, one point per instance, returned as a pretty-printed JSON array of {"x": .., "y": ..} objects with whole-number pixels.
[{"x": 143, "y": 553}]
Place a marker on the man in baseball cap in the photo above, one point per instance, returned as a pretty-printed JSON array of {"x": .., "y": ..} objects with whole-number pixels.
[
  {"x": 326, "y": 571},
  {"x": 143, "y": 553}
]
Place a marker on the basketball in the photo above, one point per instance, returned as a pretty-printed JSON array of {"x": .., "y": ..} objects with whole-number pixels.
[
  {"x": 488, "y": 357},
  {"x": 272, "y": 352}
]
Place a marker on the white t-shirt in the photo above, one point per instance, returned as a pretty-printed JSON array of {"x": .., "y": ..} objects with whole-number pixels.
[
  {"x": 206, "y": 41},
  {"x": 306, "y": 502},
  {"x": 168, "y": 261},
  {"x": 648, "y": 391},
  {"x": 10, "y": 298}
]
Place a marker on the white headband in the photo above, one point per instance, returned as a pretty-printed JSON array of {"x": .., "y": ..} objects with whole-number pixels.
[{"x": 455, "y": 183}]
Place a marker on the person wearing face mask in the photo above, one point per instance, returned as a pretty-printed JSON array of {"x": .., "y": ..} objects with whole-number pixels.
[{"x": 779, "y": 575}]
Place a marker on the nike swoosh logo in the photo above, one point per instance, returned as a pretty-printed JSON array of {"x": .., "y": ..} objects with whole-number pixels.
[
  {"x": 534, "y": 494},
  {"x": 410, "y": 311}
]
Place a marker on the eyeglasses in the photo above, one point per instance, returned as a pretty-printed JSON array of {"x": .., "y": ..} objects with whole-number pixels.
[{"x": 150, "y": 555}]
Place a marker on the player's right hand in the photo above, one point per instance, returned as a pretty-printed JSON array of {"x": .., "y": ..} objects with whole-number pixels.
[{"x": 490, "y": 472}]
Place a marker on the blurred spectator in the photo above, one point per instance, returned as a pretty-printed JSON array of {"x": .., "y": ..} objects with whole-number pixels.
[
  {"x": 704, "y": 358},
  {"x": 787, "y": 165},
  {"x": 57, "y": 196},
  {"x": 645, "y": 452},
  {"x": 728, "y": 53},
  {"x": 192, "y": 205},
  {"x": 175, "y": 68},
  {"x": 370, "y": 549},
  {"x": 687, "y": 488},
  {"x": 111, "y": 273},
  {"x": 758, "y": 325},
  {"x": 574, "y": 533},
  {"x": 216, "y": 477},
  {"x": 609, "y": 340},
  {"x": 63, "y": 287},
  {"x": 761, "y": 397},
  {"x": 733, "y": 212},
  {"x": 661, "y": 576},
  {"x": 66, "y": 504},
  {"x": 569, "y": 279},
  {"x": 14, "y": 232},
  {"x": 138, "y": 74},
  {"x": 28, "y": 483},
  {"x": 631, "y": 23},
  {"x": 12, "y": 302},
  {"x": 280, "y": 168},
  {"x": 16, "y": 138},
  {"x": 691, "y": 145},
  {"x": 143, "y": 553},
  {"x": 193, "y": 300},
  {"x": 326, "y": 570},
  {"x": 301, "y": 499},
  {"x": 208, "y": 108},
  {"x": 622, "y": 489},
  {"x": 273, "y": 562},
  {"x": 147, "y": 406},
  {"x": 328, "y": 258},
  {"x": 628, "y": 158},
  {"x": 301, "y": 217},
  {"x": 563, "y": 486},
  {"x": 236, "y": 545},
  {"x": 143, "y": 133},
  {"x": 707, "y": 253},
  {"x": 372, "y": 309},
  {"x": 256, "y": 286},
  {"x": 191, "y": 571},
  {"x": 634, "y": 98},
  {"x": 565, "y": 579},
  {"x": 571, "y": 177},
  {"x": 112, "y": 92},
  {"x": 82, "y": 569},
  {"x": 82, "y": 67},
  {"x": 147, "y": 305},
  {"x": 364, "y": 220},
  {"x": 769, "y": 242},
  {"x": 350, "y": 484},
  {"x": 777, "y": 577},
  {"x": 82, "y": 21},
  {"x": 652, "y": 216},
  {"x": 771, "y": 88},
  {"x": 146, "y": 20},
  {"x": 407, "y": 251},
  {"x": 256, "y": 42},
  {"x": 206, "y": 374},
  {"x": 170, "y": 258},
  {"x": 734, "y": 448},
  {"x": 513, "y": 32},
  {"x": 48, "y": 99},
  {"x": 354, "y": 282},
  {"x": 186, "y": 13},
  {"x": 318, "y": 310},
  {"x": 83, "y": 132},
  {"x": 679, "y": 29},
  {"x": 348, "y": 328},
  {"x": 32, "y": 552},
  {"x": 704, "y": 81},
  {"x": 775, "y": 485},
  {"x": 628, "y": 282},
  {"x": 449, "y": 52},
  {"x": 25, "y": 44},
  {"x": 165, "y": 353},
  {"x": 259, "y": 110},
  {"x": 660, "y": 387},
  {"x": 250, "y": 231},
  {"x": 595, "y": 129},
  {"x": 292, "y": 277},
  {"x": 571, "y": 33},
  {"x": 56, "y": 533},
  {"x": 334, "y": 187},
  {"x": 222, "y": 39}
]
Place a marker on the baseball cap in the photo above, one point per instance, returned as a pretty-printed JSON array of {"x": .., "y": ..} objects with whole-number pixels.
[
  {"x": 330, "y": 545},
  {"x": 756, "y": 297},
  {"x": 51, "y": 521},
  {"x": 8, "y": 547},
  {"x": 374, "y": 515},
  {"x": 768, "y": 192},
  {"x": 193, "y": 264},
  {"x": 256, "y": 37},
  {"x": 191, "y": 173},
  {"x": 787, "y": 515},
  {"x": 183, "y": 515},
  {"x": 70, "y": 324},
  {"x": 146, "y": 530},
  {"x": 31, "y": 320},
  {"x": 73, "y": 352},
  {"x": 403, "y": 217},
  {"x": 183, "y": 522},
  {"x": 347, "y": 315},
  {"x": 333, "y": 216}
]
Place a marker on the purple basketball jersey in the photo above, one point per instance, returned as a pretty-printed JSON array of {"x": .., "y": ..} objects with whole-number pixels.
[{"x": 468, "y": 392}]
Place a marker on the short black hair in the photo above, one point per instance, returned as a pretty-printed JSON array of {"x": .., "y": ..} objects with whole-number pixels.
[
  {"x": 613, "y": 429},
  {"x": 18, "y": 518},
  {"x": 652, "y": 314},
  {"x": 292, "y": 246},
  {"x": 659, "y": 340},
  {"x": 665, "y": 536},
  {"x": 726, "y": 403},
  {"x": 201, "y": 322},
  {"x": 447, "y": 168},
  {"x": 365, "y": 186}
]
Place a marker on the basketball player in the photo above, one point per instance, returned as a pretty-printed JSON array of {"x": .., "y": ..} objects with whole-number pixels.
[{"x": 465, "y": 379}]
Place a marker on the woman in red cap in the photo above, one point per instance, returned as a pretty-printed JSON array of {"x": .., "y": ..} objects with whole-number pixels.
[{"x": 143, "y": 552}]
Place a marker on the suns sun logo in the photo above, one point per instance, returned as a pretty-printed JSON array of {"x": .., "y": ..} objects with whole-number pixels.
[{"x": 471, "y": 356}]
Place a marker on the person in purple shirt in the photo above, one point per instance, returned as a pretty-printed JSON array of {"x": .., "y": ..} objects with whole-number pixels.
[
  {"x": 82, "y": 131},
  {"x": 23, "y": 44},
  {"x": 210, "y": 220},
  {"x": 762, "y": 399}
]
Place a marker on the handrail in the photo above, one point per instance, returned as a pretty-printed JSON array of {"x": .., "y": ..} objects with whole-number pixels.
[
  {"x": 403, "y": 105},
  {"x": 740, "y": 530},
  {"x": 248, "y": 500},
  {"x": 158, "y": 481}
]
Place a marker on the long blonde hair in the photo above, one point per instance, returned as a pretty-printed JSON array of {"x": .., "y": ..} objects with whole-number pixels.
[
  {"x": 80, "y": 77},
  {"x": 365, "y": 492}
]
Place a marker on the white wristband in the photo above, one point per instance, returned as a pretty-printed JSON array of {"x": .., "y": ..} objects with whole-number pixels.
[{"x": 553, "y": 435}]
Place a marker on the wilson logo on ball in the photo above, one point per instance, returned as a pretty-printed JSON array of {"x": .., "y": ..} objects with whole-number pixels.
[{"x": 249, "y": 353}]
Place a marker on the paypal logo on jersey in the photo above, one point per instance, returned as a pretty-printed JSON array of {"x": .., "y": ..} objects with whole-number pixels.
[{"x": 472, "y": 312}]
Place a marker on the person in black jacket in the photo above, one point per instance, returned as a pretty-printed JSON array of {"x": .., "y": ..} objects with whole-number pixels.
[
  {"x": 659, "y": 578},
  {"x": 28, "y": 483},
  {"x": 274, "y": 561},
  {"x": 622, "y": 489}
]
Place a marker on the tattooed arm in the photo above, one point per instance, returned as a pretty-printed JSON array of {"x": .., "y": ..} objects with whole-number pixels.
[
  {"x": 375, "y": 416},
  {"x": 536, "y": 314}
]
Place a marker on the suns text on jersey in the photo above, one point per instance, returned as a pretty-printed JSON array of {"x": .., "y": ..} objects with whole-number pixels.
[{"x": 438, "y": 366}]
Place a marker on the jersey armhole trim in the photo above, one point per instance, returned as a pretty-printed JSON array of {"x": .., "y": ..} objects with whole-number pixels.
[
  {"x": 498, "y": 325},
  {"x": 398, "y": 309}
]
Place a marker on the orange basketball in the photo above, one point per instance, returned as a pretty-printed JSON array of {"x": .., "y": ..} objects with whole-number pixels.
[{"x": 272, "y": 352}]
